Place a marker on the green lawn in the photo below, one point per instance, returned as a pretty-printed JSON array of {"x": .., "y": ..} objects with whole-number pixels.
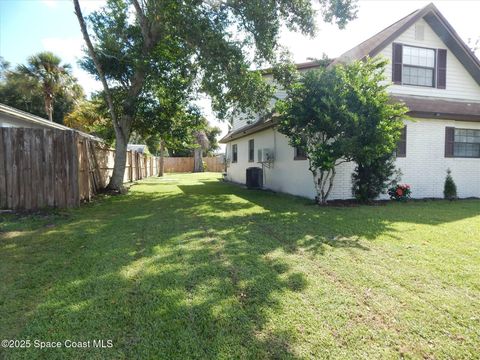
[{"x": 190, "y": 267}]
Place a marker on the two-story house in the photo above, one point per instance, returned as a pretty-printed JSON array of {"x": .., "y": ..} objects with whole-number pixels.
[{"x": 438, "y": 77}]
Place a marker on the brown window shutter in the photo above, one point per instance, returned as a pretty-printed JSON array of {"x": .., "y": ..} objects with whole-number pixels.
[
  {"x": 402, "y": 143},
  {"x": 441, "y": 68},
  {"x": 397, "y": 58},
  {"x": 449, "y": 141}
]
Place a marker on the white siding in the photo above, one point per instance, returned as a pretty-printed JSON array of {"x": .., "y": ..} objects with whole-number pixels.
[
  {"x": 243, "y": 120},
  {"x": 424, "y": 167},
  {"x": 460, "y": 84}
]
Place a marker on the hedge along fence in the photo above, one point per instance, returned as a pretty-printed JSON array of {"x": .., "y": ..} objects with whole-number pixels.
[{"x": 56, "y": 168}]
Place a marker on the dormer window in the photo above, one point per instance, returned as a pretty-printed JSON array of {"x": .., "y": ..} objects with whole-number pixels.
[
  {"x": 413, "y": 65},
  {"x": 418, "y": 66}
]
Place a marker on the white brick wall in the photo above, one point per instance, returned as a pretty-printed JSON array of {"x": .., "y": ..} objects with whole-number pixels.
[{"x": 424, "y": 167}]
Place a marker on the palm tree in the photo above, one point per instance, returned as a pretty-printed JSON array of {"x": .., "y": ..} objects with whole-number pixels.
[{"x": 46, "y": 68}]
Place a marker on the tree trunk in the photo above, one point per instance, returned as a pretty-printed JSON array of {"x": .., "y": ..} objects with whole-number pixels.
[
  {"x": 323, "y": 182},
  {"x": 197, "y": 160},
  {"x": 162, "y": 158},
  {"x": 49, "y": 107},
  {"x": 120, "y": 162}
]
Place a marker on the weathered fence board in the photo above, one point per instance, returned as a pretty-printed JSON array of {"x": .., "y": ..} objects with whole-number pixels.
[
  {"x": 3, "y": 175},
  {"x": 185, "y": 164},
  {"x": 56, "y": 168}
]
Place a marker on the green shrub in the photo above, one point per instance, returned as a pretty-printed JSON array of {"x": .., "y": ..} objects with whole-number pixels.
[
  {"x": 449, "y": 189},
  {"x": 371, "y": 178}
]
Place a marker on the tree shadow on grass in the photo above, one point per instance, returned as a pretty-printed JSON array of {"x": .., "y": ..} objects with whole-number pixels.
[{"x": 176, "y": 275}]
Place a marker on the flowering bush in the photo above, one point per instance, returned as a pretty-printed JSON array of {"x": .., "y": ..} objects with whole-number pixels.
[{"x": 400, "y": 192}]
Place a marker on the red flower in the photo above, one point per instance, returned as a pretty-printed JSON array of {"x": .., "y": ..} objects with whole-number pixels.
[{"x": 399, "y": 192}]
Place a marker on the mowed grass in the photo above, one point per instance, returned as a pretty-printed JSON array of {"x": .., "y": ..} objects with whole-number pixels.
[{"x": 189, "y": 267}]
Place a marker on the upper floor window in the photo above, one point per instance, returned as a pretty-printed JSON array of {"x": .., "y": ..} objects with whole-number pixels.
[
  {"x": 234, "y": 153},
  {"x": 413, "y": 65},
  {"x": 418, "y": 66}
]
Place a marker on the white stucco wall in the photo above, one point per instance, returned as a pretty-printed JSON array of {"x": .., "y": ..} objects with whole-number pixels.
[{"x": 424, "y": 167}]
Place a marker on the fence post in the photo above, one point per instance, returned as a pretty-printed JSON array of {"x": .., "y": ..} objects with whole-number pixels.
[{"x": 130, "y": 172}]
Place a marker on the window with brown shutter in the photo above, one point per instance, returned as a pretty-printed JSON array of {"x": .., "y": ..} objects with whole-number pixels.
[
  {"x": 466, "y": 143},
  {"x": 441, "y": 68},
  {"x": 449, "y": 141},
  {"x": 418, "y": 66},
  {"x": 397, "y": 57},
  {"x": 402, "y": 143}
]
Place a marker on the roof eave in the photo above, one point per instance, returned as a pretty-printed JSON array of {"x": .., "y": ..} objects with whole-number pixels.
[
  {"x": 444, "y": 116},
  {"x": 25, "y": 116},
  {"x": 248, "y": 130},
  {"x": 454, "y": 42}
]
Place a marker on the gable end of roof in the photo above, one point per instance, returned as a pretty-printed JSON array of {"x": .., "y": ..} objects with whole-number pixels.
[
  {"x": 374, "y": 45},
  {"x": 457, "y": 46}
]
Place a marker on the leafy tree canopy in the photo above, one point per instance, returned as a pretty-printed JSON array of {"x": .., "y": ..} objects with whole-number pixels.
[
  {"x": 188, "y": 47},
  {"x": 186, "y": 148},
  {"x": 91, "y": 116},
  {"x": 340, "y": 114}
]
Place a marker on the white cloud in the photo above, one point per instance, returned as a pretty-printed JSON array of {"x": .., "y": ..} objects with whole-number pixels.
[
  {"x": 87, "y": 81},
  {"x": 86, "y": 5},
  {"x": 70, "y": 51},
  {"x": 91, "y": 5},
  {"x": 50, "y": 3}
]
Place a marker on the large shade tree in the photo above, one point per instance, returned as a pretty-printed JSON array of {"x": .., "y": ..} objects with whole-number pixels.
[
  {"x": 166, "y": 120},
  {"x": 210, "y": 44}
]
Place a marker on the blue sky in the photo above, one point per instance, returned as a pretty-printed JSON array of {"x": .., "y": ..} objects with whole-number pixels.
[
  {"x": 30, "y": 26},
  {"x": 25, "y": 24}
]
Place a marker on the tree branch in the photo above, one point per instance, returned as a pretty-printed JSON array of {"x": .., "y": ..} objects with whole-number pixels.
[
  {"x": 94, "y": 57},
  {"x": 142, "y": 19}
]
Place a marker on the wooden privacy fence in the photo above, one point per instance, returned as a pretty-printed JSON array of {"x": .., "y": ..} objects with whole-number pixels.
[
  {"x": 185, "y": 164},
  {"x": 57, "y": 168},
  {"x": 38, "y": 168},
  {"x": 96, "y": 166}
]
